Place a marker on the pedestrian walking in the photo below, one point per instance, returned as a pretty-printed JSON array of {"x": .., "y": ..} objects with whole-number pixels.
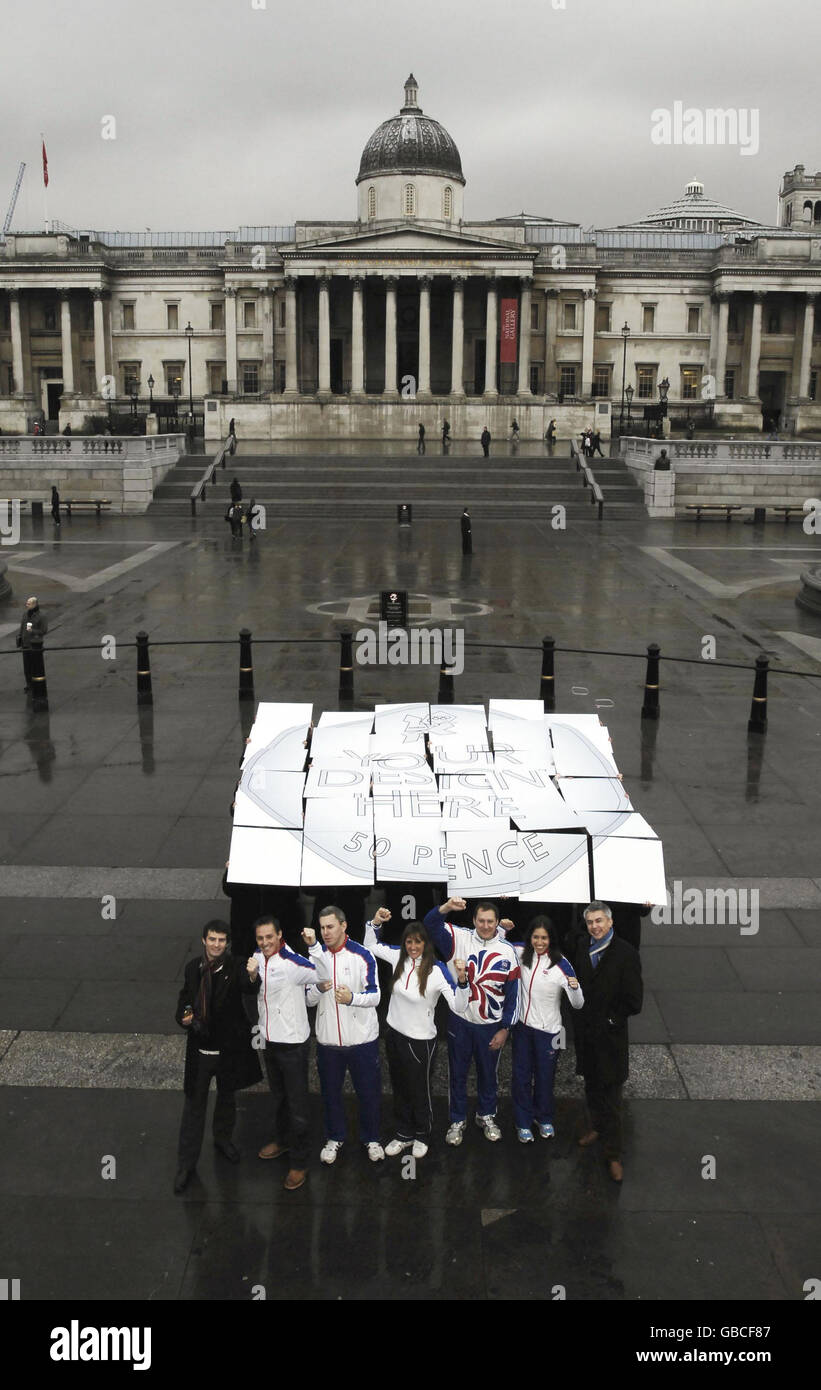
[
  {"x": 485, "y": 441},
  {"x": 235, "y": 490},
  {"x": 550, "y": 433},
  {"x": 232, "y": 437},
  {"x": 595, "y": 440},
  {"x": 418, "y": 981},
  {"x": 33, "y": 628},
  {"x": 55, "y": 507},
  {"x": 467, "y": 533},
  {"x": 234, "y": 515},
  {"x": 446, "y": 435},
  {"x": 420, "y": 443}
]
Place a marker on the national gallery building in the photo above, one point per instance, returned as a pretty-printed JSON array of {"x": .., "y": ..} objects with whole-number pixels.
[{"x": 413, "y": 312}]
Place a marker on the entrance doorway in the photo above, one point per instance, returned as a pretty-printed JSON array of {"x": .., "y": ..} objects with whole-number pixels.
[
  {"x": 772, "y": 391},
  {"x": 479, "y": 356},
  {"x": 337, "y": 382}
]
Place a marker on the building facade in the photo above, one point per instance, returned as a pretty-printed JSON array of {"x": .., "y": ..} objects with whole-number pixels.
[{"x": 414, "y": 312}]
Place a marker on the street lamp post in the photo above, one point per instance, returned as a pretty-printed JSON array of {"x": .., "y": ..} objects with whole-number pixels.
[
  {"x": 664, "y": 387},
  {"x": 151, "y": 395},
  {"x": 629, "y": 394},
  {"x": 189, "y": 333},
  {"x": 625, "y": 333}
]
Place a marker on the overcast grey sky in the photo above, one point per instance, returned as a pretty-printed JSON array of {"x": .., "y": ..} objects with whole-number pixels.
[{"x": 227, "y": 114}]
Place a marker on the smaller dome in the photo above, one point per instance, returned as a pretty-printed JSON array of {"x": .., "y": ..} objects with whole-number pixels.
[{"x": 411, "y": 143}]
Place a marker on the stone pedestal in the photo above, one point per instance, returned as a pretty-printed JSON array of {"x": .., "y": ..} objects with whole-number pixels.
[
  {"x": 660, "y": 494},
  {"x": 809, "y": 596}
]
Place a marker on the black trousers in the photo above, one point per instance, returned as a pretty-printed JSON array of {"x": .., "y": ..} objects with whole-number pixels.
[
  {"x": 604, "y": 1104},
  {"x": 192, "y": 1126},
  {"x": 410, "y": 1061},
  {"x": 286, "y": 1066},
  {"x": 27, "y": 665}
]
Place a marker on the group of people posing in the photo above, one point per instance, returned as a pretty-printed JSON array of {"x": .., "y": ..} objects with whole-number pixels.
[{"x": 496, "y": 990}]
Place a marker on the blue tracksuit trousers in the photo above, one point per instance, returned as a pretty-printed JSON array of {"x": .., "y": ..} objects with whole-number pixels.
[
  {"x": 469, "y": 1042},
  {"x": 362, "y": 1061},
  {"x": 534, "y": 1067}
]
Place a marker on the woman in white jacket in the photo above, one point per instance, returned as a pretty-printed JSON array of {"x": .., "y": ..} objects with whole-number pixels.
[
  {"x": 419, "y": 980},
  {"x": 546, "y": 975}
]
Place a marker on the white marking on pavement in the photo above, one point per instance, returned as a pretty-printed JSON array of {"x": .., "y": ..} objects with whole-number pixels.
[
  {"x": 810, "y": 645},
  {"x": 94, "y": 581},
  {"x": 715, "y": 586}
]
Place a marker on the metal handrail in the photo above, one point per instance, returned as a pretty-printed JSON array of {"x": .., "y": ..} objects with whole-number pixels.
[{"x": 199, "y": 490}]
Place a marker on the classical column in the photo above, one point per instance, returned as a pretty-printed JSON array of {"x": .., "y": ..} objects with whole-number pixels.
[
  {"x": 16, "y": 343},
  {"x": 721, "y": 343},
  {"x": 266, "y": 295},
  {"x": 65, "y": 343},
  {"x": 291, "y": 385},
  {"x": 806, "y": 347},
  {"x": 524, "y": 339},
  {"x": 231, "y": 369},
  {"x": 491, "y": 331},
  {"x": 587, "y": 342},
  {"x": 423, "y": 385},
  {"x": 99, "y": 340},
  {"x": 457, "y": 351},
  {"x": 755, "y": 346},
  {"x": 390, "y": 337},
  {"x": 357, "y": 337},
  {"x": 324, "y": 335},
  {"x": 551, "y": 321}
]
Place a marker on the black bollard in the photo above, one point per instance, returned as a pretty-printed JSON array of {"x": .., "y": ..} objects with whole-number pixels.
[
  {"x": 246, "y": 666},
  {"x": 445, "y": 696},
  {"x": 757, "y": 722},
  {"x": 144, "y": 693},
  {"x": 548, "y": 684},
  {"x": 346, "y": 665},
  {"x": 39, "y": 689},
  {"x": 650, "y": 708}
]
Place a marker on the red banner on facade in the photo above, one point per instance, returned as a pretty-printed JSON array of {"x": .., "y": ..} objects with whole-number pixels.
[{"x": 510, "y": 322}]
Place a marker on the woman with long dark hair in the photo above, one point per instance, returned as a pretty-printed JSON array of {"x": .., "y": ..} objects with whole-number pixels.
[
  {"x": 419, "y": 981},
  {"x": 546, "y": 973}
]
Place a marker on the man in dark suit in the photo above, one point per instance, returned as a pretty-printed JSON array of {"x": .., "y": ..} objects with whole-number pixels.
[
  {"x": 609, "y": 972},
  {"x": 33, "y": 628},
  {"x": 210, "y": 1008}
]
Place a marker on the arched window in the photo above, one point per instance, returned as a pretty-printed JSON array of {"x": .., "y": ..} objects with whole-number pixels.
[
  {"x": 447, "y": 203},
  {"x": 807, "y": 209},
  {"x": 409, "y": 201},
  {"x": 817, "y": 212},
  {"x": 371, "y": 202},
  {"x": 789, "y": 214}
]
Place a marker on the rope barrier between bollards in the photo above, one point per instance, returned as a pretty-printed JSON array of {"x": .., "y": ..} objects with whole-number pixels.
[
  {"x": 757, "y": 722},
  {"x": 144, "y": 692},
  {"x": 548, "y": 685},
  {"x": 246, "y": 666},
  {"x": 650, "y": 708},
  {"x": 39, "y": 689},
  {"x": 346, "y": 665}
]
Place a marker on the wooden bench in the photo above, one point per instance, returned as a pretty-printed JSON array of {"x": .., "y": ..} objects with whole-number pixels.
[
  {"x": 790, "y": 509},
  {"x": 80, "y": 502},
  {"x": 726, "y": 508}
]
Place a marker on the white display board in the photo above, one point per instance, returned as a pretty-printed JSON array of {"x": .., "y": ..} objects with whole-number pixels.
[{"x": 629, "y": 871}]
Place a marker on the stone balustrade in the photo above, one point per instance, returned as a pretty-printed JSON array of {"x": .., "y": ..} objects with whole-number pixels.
[{"x": 123, "y": 470}]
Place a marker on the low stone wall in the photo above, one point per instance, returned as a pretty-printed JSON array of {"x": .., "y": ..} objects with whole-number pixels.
[
  {"x": 745, "y": 473},
  {"x": 125, "y": 471},
  {"x": 344, "y": 418}
]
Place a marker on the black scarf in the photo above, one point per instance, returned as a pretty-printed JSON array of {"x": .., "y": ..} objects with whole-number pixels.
[{"x": 204, "y": 1001}]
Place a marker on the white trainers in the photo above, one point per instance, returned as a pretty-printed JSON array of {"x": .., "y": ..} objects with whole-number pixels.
[
  {"x": 456, "y": 1133},
  {"x": 397, "y": 1146},
  {"x": 489, "y": 1125},
  {"x": 330, "y": 1151},
  {"x": 419, "y": 1149},
  {"x": 375, "y": 1152},
  {"x": 525, "y": 1136}
]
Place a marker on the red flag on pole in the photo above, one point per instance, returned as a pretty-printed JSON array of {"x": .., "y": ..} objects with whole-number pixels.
[{"x": 45, "y": 165}]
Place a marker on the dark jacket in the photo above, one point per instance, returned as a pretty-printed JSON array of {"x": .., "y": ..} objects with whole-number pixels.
[
  {"x": 230, "y": 1027},
  {"x": 39, "y": 627},
  {"x": 236, "y": 491},
  {"x": 612, "y": 992}
]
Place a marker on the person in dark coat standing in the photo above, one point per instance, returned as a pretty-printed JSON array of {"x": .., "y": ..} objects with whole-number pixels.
[
  {"x": 420, "y": 443},
  {"x": 235, "y": 490},
  {"x": 445, "y": 436},
  {"x": 467, "y": 533},
  {"x": 33, "y": 628},
  {"x": 210, "y": 1008},
  {"x": 55, "y": 506},
  {"x": 485, "y": 441},
  {"x": 550, "y": 433},
  {"x": 609, "y": 972}
]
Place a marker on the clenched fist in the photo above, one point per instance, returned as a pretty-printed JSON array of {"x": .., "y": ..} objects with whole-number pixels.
[
  {"x": 309, "y": 937},
  {"x": 453, "y": 905},
  {"x": 252, "y": 967},
  {"x": 461, "y": 970},
  {"x": 382, "y": 914}
]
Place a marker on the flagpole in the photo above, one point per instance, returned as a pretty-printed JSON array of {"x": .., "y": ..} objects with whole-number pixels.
[{"x": 45, "y": 176}]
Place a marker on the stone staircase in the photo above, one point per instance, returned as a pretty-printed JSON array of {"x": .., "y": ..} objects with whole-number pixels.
[{"x": 508, "y": 487}]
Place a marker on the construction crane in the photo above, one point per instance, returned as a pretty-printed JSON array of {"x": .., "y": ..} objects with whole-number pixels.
[{"x": 10, "y": 213}]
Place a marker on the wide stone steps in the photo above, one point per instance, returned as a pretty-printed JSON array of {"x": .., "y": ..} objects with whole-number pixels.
[{"x": 303, "y": 486}]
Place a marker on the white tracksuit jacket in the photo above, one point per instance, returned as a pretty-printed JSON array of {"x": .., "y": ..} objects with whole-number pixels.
[
  {"x": 410, "y": 1012},
  {"x": 346, "y": 1025}
]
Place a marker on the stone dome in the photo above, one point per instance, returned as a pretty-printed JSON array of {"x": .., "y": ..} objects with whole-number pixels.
[{"x": 411, "y": 143}]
